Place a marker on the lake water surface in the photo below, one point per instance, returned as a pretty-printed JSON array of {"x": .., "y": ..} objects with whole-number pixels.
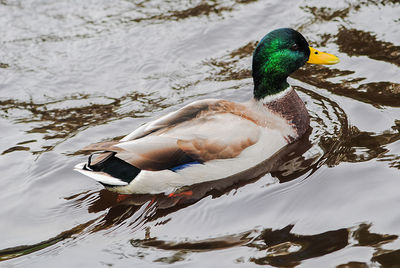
[{"x": 79, "y": 72}]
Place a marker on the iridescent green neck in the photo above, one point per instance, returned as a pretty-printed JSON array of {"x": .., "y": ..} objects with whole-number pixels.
[{"x": 267, "y": 83}]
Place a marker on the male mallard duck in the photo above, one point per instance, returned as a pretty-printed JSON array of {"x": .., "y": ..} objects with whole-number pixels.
[{"x": 213, "y": 139}]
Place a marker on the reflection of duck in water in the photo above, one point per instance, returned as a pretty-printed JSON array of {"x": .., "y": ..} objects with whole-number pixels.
[{"x": 213, "y": 139}]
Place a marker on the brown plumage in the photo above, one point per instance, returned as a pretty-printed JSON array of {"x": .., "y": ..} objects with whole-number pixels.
[{"x": 161, "y": 145}]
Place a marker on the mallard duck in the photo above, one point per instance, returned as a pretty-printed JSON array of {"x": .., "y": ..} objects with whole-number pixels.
[{"x": 213, "y": 139}]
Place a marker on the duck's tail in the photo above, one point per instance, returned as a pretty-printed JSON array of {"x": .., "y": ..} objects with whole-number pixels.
[{"x": 108, "y": 169}]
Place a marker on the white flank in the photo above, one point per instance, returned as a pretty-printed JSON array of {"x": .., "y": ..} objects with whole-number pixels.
[{"x": 166, "y": 181}]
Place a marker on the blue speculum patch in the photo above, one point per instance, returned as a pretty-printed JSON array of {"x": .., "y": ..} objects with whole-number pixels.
[{"x": 174, "y": 169}]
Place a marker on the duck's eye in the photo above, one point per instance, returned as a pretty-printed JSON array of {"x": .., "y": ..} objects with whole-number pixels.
[{"x": 294, "y": 47}]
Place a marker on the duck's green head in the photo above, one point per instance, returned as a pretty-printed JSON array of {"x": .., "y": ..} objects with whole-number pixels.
[{"x": 280, "y": 53}]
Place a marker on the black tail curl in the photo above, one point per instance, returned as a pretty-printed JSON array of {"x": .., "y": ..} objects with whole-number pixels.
[{"x": 114, "y": 166}]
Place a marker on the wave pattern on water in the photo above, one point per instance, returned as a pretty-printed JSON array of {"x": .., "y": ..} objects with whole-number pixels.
[{"x": 74, "y": 73}]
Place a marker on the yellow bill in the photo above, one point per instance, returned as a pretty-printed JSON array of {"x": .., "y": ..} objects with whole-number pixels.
[{"x": 318, "y": 57}]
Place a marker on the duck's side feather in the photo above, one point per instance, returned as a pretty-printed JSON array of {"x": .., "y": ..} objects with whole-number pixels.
[
  {"x": 201, "y": 131},
  {"x": 208, "y": 133},
  {"x": 167, "y": 181}
]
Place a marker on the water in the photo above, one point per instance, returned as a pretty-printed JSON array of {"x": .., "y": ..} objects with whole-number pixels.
[{"x": 78, "y": 72}]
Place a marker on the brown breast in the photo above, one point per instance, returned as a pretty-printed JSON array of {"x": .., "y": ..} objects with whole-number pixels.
[{"x": 292, "y": 108}]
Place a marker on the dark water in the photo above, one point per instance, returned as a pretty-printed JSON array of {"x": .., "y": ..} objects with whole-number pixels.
[{"x": 78, "y": 72}]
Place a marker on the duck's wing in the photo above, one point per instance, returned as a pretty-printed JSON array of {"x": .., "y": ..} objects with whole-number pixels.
[
  {"x": 186, "y": 113},
  {"x": 200, "y": 132}
]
